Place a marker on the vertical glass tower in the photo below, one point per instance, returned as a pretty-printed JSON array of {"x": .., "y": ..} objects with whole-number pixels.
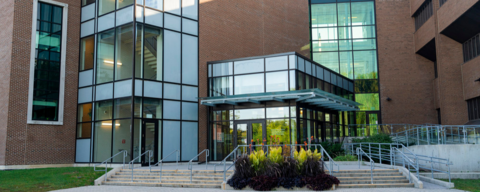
[
  {"x": 343, "y": 39},
  {"x": 138, "y": 80}
]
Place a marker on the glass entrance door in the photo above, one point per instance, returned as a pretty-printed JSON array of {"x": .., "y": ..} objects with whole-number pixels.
[
  {"x": 372, "y": 123},
  {"x": 150, "y": 141},
  {"x": 247, "y": 131}
]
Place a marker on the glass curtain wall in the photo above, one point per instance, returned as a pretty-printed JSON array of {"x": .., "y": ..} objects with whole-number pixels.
[
  {"x": 138, "y": 74},
  {"x": 343, "y": 38}
]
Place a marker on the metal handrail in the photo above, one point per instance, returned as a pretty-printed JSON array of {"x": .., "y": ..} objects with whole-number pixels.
[
  {"x": 150, "y": 154},
  {"x": 206, "y": 151},
  {"x": 409, "y": 161},
  {"x": 224, "y": 161},
  {"x": 161, "y": 162},
  {"x": 360, "y": 153},
  {"x": 106, "y": 162}
]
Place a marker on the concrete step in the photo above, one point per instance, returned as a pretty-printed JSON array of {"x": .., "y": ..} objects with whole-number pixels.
[
  {"x": 168, "y": 174},
  {"x": 388, "y": 185},
  {"x": 368, "y": 181},
  {"x": 174, "y": 171},
  {"x": 374, "y": 178},
  {"x": 366, "y": 171},
  {"x": 185, "y": 185},
  {"x": 365, "y": 174},
  {"x": 187, "y": 181},
  {"x": 217, "y": 178}
]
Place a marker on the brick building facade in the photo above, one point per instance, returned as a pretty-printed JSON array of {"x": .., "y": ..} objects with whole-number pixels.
[{"x": 422, "y": 71}]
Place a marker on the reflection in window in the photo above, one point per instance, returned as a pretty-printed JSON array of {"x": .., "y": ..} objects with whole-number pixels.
[
  {"x": 346, "y": 64},
  {"x": 105, "y": 48},
  {"x": 344, "y": 18},
  {"x": 249, "y": 114},
  {"x": 320, "y": 34},
  {"x": 245, "y": 84},
  {"x": 249, "y": 66},
  {"x": 370, "y": 101},
  {"x": 222, "y": 69},
  {"x": 277, "y": 81},
  {"x": 121, "y": 139},
  {"x": 222, "y": 139},
  {"x": 153, "y": 46},
  {"x": 278, "y": 112},
  {"x": 329, "y": 45},
  {"x": 123, "y": 3},
  {"x": 221, "y": 86},
  {"x": 365, "y": 64},
  {"x": 156, "y": 4},
  {"x": 278, "y": 129},
  {"x": 301, "y": 81},
  {"x": 324, "y": 15},
  {"x": 139, "y": 51},
  {"x": 47, "y": 63},
  {"x": 103, "y": 110},
  {"x": 293, "y": 124},
  {"x": 105, "y": 6},
  {"x": 123, "y": 52},
  {"x": 87, "y": 53},
  {"x": 327, "y": 59},
  {"x": 366, "y": 86},
  {"x": 363, "y": 13},
  {"x": 102, "y": 145},
  {"x": 123, "y": 108}
]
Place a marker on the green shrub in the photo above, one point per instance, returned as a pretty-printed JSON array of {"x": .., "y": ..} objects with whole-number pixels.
[
  {"x": 345, "y": 158},
  {"x": 333, "y": 149},
  {"x": 378, "y": 138}
]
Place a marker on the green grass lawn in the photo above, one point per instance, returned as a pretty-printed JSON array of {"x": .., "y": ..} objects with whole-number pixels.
[
  {"x": 467, "y": 184},
  {"x": 47, "y": 179}
]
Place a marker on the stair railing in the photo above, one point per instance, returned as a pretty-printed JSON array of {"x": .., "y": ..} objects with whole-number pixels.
[
  {"x": 206, "y": 151},
  {"x": 224, "y": 161},
  {"x": 106, "y": 162},
  {"x": 405, "y": 158},
  {"x": 361, "y": 153},
  {"x": 150, "y": 154},
  {"x": 161, "y": 162}
]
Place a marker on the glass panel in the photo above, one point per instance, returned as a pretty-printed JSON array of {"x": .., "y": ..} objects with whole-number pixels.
[
  {"x": 344, "y": 18},
  {"x": 171, "y": 91},
  {"x": 222, "y": 69},
  {"x": 190, "y": 9},
  {"x": 149, "y": 137},
  {"x": 301, "y": 64},
  {"x": 250, "y": 66},
  {"x": 221, "y": 86},
  {"x": 138, "y": 107},
  {"x": 292, "y": 80},
  {"x": 104, "y": 91},
  {"x": 123, "y": 52},
  {"x": 222, "y": 139},
  {"x": 346, "y": 64},
  {"x": 121, "y": 139},
  {"x": 85, "y": 95},
  {"x": 152, "y": 108},
  {"x": 365, "y": 64},
  {"x": 171, "y": 137},
  {"x": 319, "y": 84},
  {"x": 319, "y": 34},
  {"x": 257, "y": 129},
  {"x": 152, "y": 89},
  {"x": 324, "y": 15},
  {"x": 363, "y": 13},
  {"x": 301, "y": 81},
  {"x": 249, "y": 84},
  {"x": 189, "y": 141},
  {"x": 84, "y": 130},
  {"x": 86, "y": 2},
  {"x": 137, "y": 138},
  {"x": 189, "y": 93},
  {"x": 279, "y": 130},
  {"x": 242, "y": 137},
  {"x": 370, "y": 101},
  {"x": 105, "y": 22},
  {"x": 87, "y": 53},
  {"x": 153, "y": 17},
  {"x": 361, "y": 120},
  {"x": 366, "y": 86},
  {"x": 364, "y": 44},
  {"x": 276, "y": 63},
  {"x": 345, "y": 45},
  {"x": 173, "y": 6},
  {"x": 278, "y": 112},
  {"x": 328, "y": 132},
  {"x": 362, "y": 32},
  {"x": 293, "y": 124},
  {"x": 123, "y": 108},
  {"x": 124, "y": 16},
  {"x": 105, "y": 6},
  {"x": 241, "y": 114},
  {"x": 189, "y": 60},
  {"x": 105, "y": 54},
  {"x": 172, "y": 22},
  {"x": 156, "y": 4},
  {"x": 344, "y": 32},
  {"x": 103, "y": 110},
  {"x": 319, "y": 46},
  {"x": 172, "y": 44},
  {"x": 84, "y": 112},
  {"x": 123, "y": 88},
  {"x": 327, "y": 59},
  {"x": 102, "y": 144},
  {"x": 189, "y": 26},
  {"x": 189, "y": 111},
  {"x": 308, "y": 81},
  {"x": 277, "y": 81},
  {"x": 292, "y": 61},
  {"x": 139, "y": 52},
  {"x": 171, "y": 110}
]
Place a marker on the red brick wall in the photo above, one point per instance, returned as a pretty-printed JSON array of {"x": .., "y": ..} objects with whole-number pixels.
[
  {"x": 451, "y": 11},
  {"x": 470, "y": 73},
  {"x": 405, "y": 77},
  {"x": 232, "y": 29},
  {"x": 414, "y": 5},
  {"x": 6, "y": 33},
  {"x": 425, "y": 34},
  {"x": 40, "y": 144}
]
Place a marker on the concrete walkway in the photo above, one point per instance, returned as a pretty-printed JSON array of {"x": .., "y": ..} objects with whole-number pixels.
[{"x": 164, "y": 189}]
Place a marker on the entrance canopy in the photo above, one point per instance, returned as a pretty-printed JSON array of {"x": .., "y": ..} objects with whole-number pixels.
[{"x": 314, "y": 97}]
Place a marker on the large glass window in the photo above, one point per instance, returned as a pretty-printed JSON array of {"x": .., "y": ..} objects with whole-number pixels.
[
  {"x": 370, "y": 101},
  {"x": 152, "y": 108},
  {"x": 324, "y": 15},
  {"x": 121, "y": 139},
  {"x": 124, "y": 52},
  {"x": 47, "y": 63},
  {"x": 153, "y": 45},
  {"x": 277, "y": 81},
  {"x": 102, "y": 145},
  {"x": 221, "y": 86},
  {"x": 123, "y": 3},
  {"x": 123, "y": 108},
  {"x": 365, "y": 63},
  {"x": 249, "y": 84},
  {"x": 103, "y": 110},
  {"x": 242, "y": 114},
  {"x": 106, "y": 6},
  {"x": 87, "y": 53},
  {"x": 105, "y": 52}
]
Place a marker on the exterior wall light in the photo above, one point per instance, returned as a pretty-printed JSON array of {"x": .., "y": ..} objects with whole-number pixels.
[{"x": 388, "y": 99}]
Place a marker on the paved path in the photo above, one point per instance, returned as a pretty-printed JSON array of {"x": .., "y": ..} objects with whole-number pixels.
[{"x": 165, "y": 189}]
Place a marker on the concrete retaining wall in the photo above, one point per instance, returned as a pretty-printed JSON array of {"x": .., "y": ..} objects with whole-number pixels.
[{"x": 465, "y": 158}]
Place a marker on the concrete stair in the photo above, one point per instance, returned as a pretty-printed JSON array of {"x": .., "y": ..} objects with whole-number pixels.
[
  {"x": 382, "y": 178},
  {"x": 170, "y": 178}
]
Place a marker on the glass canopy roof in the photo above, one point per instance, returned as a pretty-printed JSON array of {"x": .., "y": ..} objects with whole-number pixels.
[{"x": 314, "y": 97}]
